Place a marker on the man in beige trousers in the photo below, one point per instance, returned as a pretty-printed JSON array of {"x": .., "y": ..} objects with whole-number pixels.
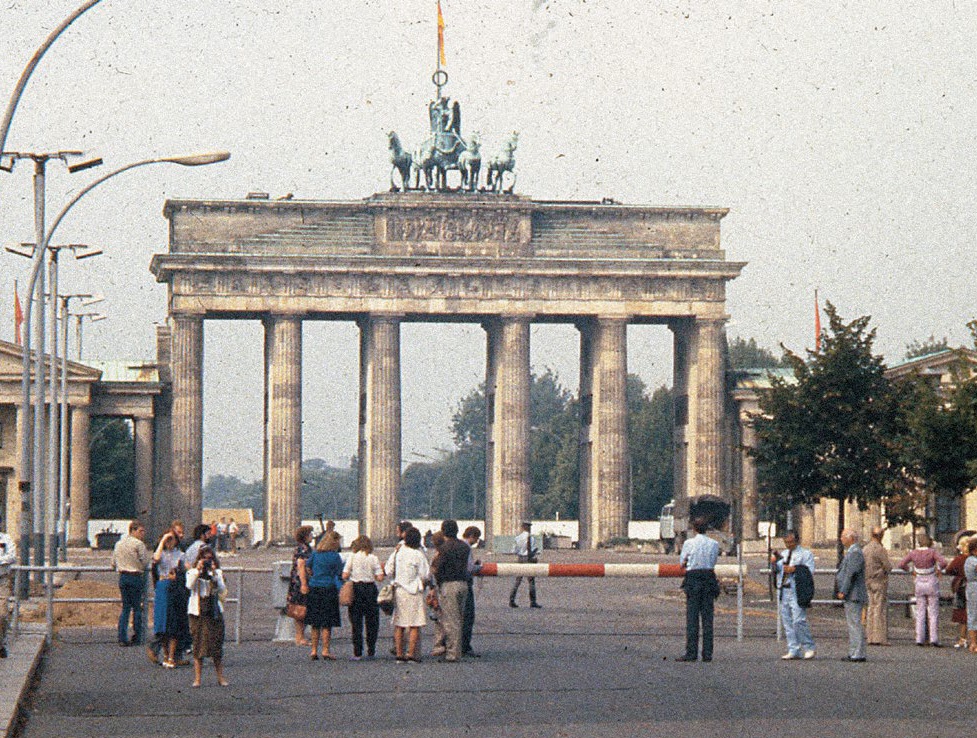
[{"x": 877, "y": 568}]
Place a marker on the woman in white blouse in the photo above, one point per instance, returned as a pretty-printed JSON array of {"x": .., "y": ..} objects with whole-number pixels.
[
  {"x": 410, "y": 574},
  {"x": 364, "y": 571},
  {"x": 205, "y": 580}
]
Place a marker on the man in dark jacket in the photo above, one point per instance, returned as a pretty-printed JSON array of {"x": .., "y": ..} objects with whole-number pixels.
[
  {"x": 450, "y": 569},
  {"x": 851, "y": 588}
]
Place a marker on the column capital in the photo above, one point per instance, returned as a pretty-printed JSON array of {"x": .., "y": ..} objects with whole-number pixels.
[{"x": 374, "y": 318}]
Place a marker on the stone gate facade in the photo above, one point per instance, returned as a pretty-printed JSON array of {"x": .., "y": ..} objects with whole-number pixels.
[{"x": 501, "y": 261}]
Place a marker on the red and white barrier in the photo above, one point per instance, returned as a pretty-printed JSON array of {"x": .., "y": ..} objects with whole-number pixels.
[{"x": 598, "y": 570}]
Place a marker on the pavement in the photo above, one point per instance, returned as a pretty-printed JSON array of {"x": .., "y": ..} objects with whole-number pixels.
[{"x": 597, "y": 660}]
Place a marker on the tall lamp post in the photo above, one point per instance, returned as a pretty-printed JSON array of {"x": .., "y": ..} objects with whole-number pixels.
[
  {"x": 29, "y": 475},
  {"x": 79, "y": 317}
]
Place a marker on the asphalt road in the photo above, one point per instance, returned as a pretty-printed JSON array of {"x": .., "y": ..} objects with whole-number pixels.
[{"x": 597, "y": 660}]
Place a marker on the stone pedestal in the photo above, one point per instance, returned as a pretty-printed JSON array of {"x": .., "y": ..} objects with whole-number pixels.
[
  {"x": 379, "y": 427},
  {"x": 283, "y": 428},
  {"x": 79, "y": 490},
  {"x": 604, "y": 460},
  {"x": 507, "y": 381},
  {"x": 188, "y": 419}
]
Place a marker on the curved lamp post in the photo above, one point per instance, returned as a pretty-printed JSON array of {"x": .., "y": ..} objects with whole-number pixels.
[
  {"x": 32, "y": 64},
  {"x": 26, "y": 470}
]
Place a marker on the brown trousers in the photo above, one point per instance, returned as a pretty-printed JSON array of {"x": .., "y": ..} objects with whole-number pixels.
[{"x": 877, "y": 615}]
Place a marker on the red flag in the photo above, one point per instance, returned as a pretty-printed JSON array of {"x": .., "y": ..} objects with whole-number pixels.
[
  {"x": 817, "y": 323},
  {"x": 18, "y": 315},
  {"x": 441, "y": 61}
]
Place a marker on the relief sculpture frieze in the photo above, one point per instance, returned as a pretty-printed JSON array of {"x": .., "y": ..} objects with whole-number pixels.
[{"x": 453, "y": 227}]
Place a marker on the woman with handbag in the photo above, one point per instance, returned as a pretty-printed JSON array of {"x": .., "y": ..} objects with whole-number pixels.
[
  {"x": 321, "y": 574},
  {"x": 295, "y": 601},
  {"x": 411, "y": 572},
  {"x": 205, "y": 580},
  {"x": 361, "y": 573}
]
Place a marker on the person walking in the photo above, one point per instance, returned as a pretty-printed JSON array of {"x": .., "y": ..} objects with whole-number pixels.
[
  {"x": 850, "y": 583},
  {"x": 970, "y": 571},
  {"x": 295, "y": 596},
  {"x": 471, "y": 536},
  {"x": 205, "y": 581},
  {"x": 364, "y": 571},
  {"x": 698, "y": 558},
  {"x": 410, "y": 571},
  {"x": 131, "y": 558},
  {"x": 925, "y": 564},
  {"x": 877, "y": 568},
  {"x": 522, "y": 547},
  {"x": 321, "y": 574},
  {"x": 451, "y": 575},
  {"x": 800, "y": 642}
]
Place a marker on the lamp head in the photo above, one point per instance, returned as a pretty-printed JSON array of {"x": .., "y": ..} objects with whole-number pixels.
[{"x": 198, "y": 160}]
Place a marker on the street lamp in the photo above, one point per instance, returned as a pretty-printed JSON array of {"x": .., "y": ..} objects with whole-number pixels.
[
  {"x": 94, "y": 317},
  {"x": 30, "y": 478}
]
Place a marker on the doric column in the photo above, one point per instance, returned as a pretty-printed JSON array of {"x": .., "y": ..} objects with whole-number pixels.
[
  {"x": 708, "y": 401},
  {"x": 380, "y": 441},
  {"x": 604, "y": 494},
  {"x": 143, "y": 432},
  {"x": 188, "y": 418},
  {"x": 79, "y": 491},
  {"x": 749, "y": 499},
  {"x": 806, "y": 526},
  {"x": 283, "y": 427},
  {"x": 507, "y": 383},
  {"x": 683, "y": 362}
]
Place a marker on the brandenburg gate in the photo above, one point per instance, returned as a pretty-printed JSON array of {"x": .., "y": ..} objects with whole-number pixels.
[{"x": 501, "y": 260}]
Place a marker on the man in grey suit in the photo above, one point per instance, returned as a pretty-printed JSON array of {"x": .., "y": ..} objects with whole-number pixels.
[{"x": 850, "y": 581}]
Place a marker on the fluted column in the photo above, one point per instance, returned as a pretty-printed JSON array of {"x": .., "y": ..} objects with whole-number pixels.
[
  {"x": 283, "y": 427},
  {"x": 709, "y": 395},
  {"x": 188, "y": 418},
  {"x": 749, "y": 499},
  {"x": 507, "y": 381},
  {"x": 683, "y": 363},
  {"x": 605, "y": 499},
  {"x": 79, "y": 490},
  {"x": 143, "y": 432},
  {"x": 380, "y": 433}
]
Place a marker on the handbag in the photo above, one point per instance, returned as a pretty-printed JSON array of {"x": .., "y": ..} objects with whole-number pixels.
[
  {"x": 385, "y": 599},
  {"x": 346, "y": 593},
  {"x": 296, "y": 612}
]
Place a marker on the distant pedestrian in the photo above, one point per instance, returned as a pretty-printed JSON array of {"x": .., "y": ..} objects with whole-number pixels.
[
  {"x": 323, "y": 570},
  {"x": 850, "y": 583},
  {"x": 131, "y": 558},
  {"x": 958, "y": 586},
  {"x": 800, "y": 642},
  {"x": 471, "y": 536},
  {"x": 205, "y": 582},
  {"x": 222, "y": 535},
  {"x": 296, "y": 594},
  {"x": 233, "y": 531},
  {"x": 410, "y": 571},
  {"x": 364, "y": 571},
  {"x": 525, "y": 553},
  {"x": 698, "y": 558},
  {"x": 877, "y": 568},
  {"x": 925, "y": 564}
]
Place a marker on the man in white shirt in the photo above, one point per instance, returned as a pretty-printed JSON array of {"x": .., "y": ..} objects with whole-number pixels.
[
  {"x": 522, "y": 547},
  {"x": 131, "y": 558},
  {"x": 698, "y": 558}
]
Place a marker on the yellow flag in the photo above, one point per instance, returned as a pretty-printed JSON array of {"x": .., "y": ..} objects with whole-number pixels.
[{"x": 440, "y": 35}]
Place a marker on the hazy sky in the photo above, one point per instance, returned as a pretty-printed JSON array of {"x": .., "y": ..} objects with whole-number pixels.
[{"x": 839, "y": 134}]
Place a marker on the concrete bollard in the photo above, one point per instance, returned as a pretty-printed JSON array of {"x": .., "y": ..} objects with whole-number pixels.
[{"x": 280, "y": 579}]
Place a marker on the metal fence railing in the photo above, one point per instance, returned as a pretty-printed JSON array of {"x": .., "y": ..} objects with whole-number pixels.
[{"x": 232, "y": 604}]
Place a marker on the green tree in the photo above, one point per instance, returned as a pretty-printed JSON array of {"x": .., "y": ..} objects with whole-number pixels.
[
  {"x": 748, "y": 355},
  {"x": 112, "y": 471},
  {"x": 830, "y": 434}
]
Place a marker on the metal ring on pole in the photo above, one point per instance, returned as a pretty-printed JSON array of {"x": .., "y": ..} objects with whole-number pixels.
[{"x": 440, "y": 78}]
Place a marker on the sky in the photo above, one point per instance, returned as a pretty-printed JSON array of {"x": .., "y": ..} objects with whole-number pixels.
[{"x": 839, "y": 135}]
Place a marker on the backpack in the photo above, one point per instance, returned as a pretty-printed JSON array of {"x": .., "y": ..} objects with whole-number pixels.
[{"x": 804, "y": 585}]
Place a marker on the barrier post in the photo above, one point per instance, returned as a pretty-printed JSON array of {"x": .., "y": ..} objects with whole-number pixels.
[
  {"x": 49, "y": 594},
  {"x": 739, "y": 592},
  {"x": 18, "y": 578},
  {"x": 237, "y": 607}
]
